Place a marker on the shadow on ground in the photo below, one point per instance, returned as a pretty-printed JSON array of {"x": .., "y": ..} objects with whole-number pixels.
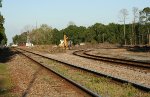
[
  {"x": 139, "y": 49},
  {"x": 6, "y": 54}
]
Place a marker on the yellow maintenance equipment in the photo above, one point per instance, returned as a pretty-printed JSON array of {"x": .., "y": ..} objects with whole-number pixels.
[{"x": 65, "y": 42}]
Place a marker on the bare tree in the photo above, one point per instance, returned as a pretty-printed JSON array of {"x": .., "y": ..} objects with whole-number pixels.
[
  {"x": 135, "y": 14},
  {"x": 28, "y": 29},
  {"x": 135, "y": 17},
  {"x": 124, "y": 14}
]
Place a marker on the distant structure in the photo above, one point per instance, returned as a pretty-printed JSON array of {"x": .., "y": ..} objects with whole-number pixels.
[
  {"x": 82, "y": 43},
  {"x": 28, "y": 43},
  {"x": 14, "y": 45}
]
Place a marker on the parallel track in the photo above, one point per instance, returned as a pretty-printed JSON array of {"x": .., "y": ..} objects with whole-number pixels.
[
  {"x": 135, "y": 63},
  {"x": 137, "y": 85},
  {"x": 62, "y": 76}
]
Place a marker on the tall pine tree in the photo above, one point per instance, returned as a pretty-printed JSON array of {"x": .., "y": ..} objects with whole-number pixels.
[{"x": 3, "y": 39}]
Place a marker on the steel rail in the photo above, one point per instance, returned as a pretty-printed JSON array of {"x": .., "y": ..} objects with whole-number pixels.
[
  {"x": 111, "y": 59},
  {"x": 137, "y": 85},
  {"x": 121, "y": 60},
  {"x": 88, "y": 91}
]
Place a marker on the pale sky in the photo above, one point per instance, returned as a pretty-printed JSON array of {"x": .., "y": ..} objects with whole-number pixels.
[{"x": 57, "y": 13}]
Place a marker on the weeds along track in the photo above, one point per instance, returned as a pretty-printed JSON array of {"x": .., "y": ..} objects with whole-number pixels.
[
  {"x": 81, "y": 90},
  {"x": 102, "y": 84},
  {"x": 135, "y": 65},
  {"x": 127, "y": 62}
]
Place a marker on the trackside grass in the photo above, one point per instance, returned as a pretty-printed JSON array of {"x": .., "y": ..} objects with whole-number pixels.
[
  {"x": 5, "y": 82},
  {"x": 101, "y": 85}
]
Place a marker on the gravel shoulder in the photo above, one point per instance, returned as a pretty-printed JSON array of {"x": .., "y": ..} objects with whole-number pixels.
[{"x": 31, "y": 80}]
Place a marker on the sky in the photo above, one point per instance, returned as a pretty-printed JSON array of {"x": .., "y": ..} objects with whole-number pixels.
[{"x": 20, "y": 14}]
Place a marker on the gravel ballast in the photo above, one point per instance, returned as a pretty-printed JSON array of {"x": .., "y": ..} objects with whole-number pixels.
[
  {"x": 32, "y": 80},
  {"x": 132, "y": 75}
]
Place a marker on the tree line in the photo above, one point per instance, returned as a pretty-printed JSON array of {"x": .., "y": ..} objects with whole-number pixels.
[
  {"x": 133, "y": 33},
  {"x": 3, "y": 39}
]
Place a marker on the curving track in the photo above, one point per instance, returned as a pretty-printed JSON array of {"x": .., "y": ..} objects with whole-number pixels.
[
  {"x": 135, "y": 63},
  {"x": 137, "y": 85}
]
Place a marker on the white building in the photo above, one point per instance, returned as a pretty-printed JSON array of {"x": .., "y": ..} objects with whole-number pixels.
[{"x": 29, "y": 44}]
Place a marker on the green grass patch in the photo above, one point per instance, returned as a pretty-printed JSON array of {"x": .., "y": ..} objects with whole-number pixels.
[
  {"x": 5, "y": 82},
  {"x": 106, "y": 87}
]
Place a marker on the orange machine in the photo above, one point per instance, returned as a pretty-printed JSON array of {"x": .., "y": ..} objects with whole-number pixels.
[{"x": 65, "y": 42}]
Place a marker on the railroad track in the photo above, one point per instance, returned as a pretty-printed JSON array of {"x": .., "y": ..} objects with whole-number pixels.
[
  {"x": 86, "y": 90},
  {"x": 137, "y": 85},
  {"x": 135, "y": 63}
]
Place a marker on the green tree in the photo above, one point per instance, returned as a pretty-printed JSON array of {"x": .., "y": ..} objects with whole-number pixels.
[
  {"x": 42, "y": 35},
  {"x": 99, "y": 30},
  {"x": 16, "y": 39},
  {"x": 20, "y": 39},
  {"x": 74, "y": 33},
  {"x": 145, "y": 20},
  {"x": 56, "y": 36},
  {"x": 3, "y": 39},
  {"x": 112, "y": 34},
  {"x": 90, "y": 35},
  {"x": 0, "y": 3}
]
